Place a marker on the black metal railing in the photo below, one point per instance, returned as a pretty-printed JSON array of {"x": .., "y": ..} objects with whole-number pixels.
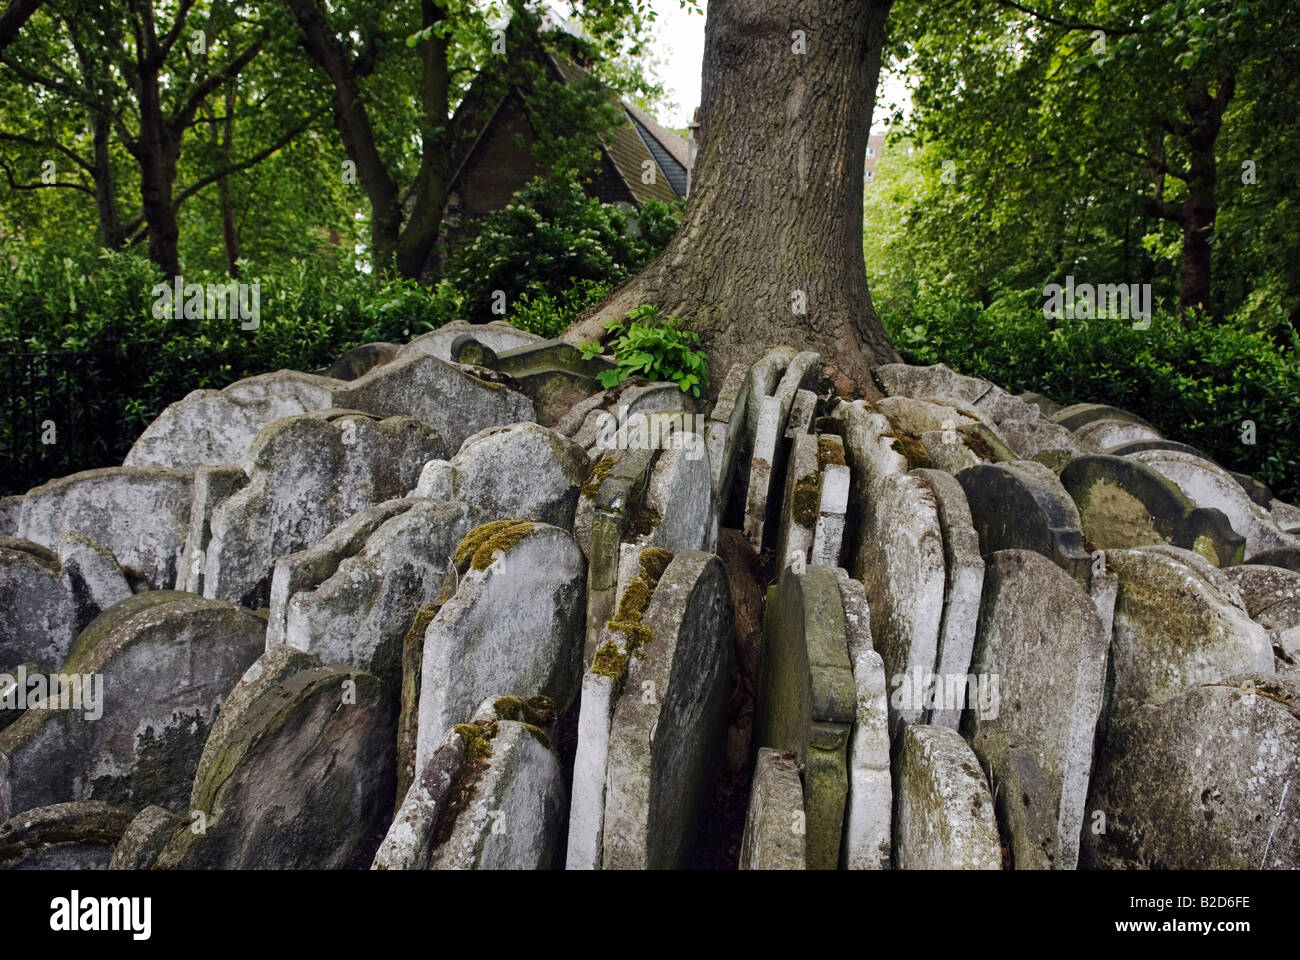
[{"x": 56, "y": 416}]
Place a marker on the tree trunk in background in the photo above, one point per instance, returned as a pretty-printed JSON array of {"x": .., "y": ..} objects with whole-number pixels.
[
  {"x": 229, "y": 228},
  {"x": 770, "y": 249}
]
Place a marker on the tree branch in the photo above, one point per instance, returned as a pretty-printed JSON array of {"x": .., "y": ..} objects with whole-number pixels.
[
  {"x": 13, "y": 18},
  {"x": 245, "y": 163},
  {"x": 48, "y": 145},
  {"x": 1110, "y": 31},
  {"x": 182, "y": 118}
]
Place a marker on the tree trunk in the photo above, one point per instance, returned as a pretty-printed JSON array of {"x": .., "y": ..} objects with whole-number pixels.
[
  {"x": 1201, "y": 207},
  {"x": 770, "y": 250},
  {"x": 156, "y": 155},
  {"x": 229, "y": 229}
]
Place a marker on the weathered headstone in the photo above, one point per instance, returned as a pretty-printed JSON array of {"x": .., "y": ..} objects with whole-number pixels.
[
  {"x": 515, "y": 623},
  {"x": 453, "y": 401},
  {"x": 1099, "y": 436},
  {"x": 1123, "y": 503},
  {"x": 137, "y": 696},
  {"x": 298, "y": 772},
  {"x": 1178, "y": 622},
  {"x": 309, "y": 474},
  {"x": 669, "y": 725},
  {"x": 774, "y": 829},
  {"x": 944, "y": 818},
  {"x": 208, "y": 427},
  {"x": 139, "y": 513},
  {"x": 498, "y": 335},
  {"x": 1041, "y": 642},
  {"x": 725, "y": 433},
  {"x": 79, "y": 835},
  {"x": 807, "y": 698},
  {"x": 963, "y": 584},
  {"x": 1204, "y": 781}
]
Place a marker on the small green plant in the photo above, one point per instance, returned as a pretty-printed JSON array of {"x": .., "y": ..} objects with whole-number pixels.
[{"x": 654, "y": 348}]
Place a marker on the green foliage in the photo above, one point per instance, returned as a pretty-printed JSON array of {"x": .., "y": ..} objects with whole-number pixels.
[
  {"x": 549, "y": 315},
  {"x": 548, "y": 237},
  {"x": 1197, "y": 381},
  {"x": 654, "y": 348},
  {"x": 131, "y": 364}
]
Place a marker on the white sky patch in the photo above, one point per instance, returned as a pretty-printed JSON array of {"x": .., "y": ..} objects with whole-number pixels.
[{"x": 679, "y": 45}]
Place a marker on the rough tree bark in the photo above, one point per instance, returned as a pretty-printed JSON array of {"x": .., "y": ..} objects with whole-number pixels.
[{"x": 770, "y": 249}]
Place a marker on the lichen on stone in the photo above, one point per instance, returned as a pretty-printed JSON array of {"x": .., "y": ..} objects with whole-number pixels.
[
  {"x": 644, "y": 522},
  {"x": 609, "y": 660},
  {"x": 538, "y": 711},
  {"x": 915, "y": 452},
  {"x": 476, "y": 538},
  {"x": 806, "y": 502},
  {"x": 502, "y": 540},
  {"x": 829, "y": 452},
  {"x": 598, "y": 474}
]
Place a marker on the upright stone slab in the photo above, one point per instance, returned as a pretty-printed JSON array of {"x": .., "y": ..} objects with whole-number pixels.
[
  {"x": 1178, "y": 623},
  {"x": 1099, "y": 436},
  {"x": 512, "y": 818},
  {"x": 79, "y": 835},
  {"x": 307, "y": 569},
  {"x": 963, "y": 585},
  {"x": 297, "y": 773},
  {"x": 522, "y": 470},
  {"x": 208, "y": 427},
  {"x": 868, "y": 822},
  {"x": 1272, "y": 599},
  {"x": 800, "y": 501},
  {"x": 1123, "y": 503},
  {"x": 46, "y": 599},
  {"x": 1041, "y": 641},
  {"x": 553, "y": 374},
  {"x": 618, "y": 502},
  {"x": 498, "y": 335},
  {"x": 1208, "y": 485},
  {"x": 361, "y": 360},
  {"x": 901, "y": 379},
  {"x": 152, "y": 673},
  {"x": 359, "y": 614},
  {"x": 836, "y": 483},
  {"x": 668, "y": 727},
  {"x": 1022, "y": 506},
  {"x": 903, "y": 568},
  {"x": 1077, "y": 415},
  {"x": 139, "y": 513},
  {"x": 774, "y": 834},
  {"x": 454, "y": 402},
  {"x": 309, "y": 474},
  {"x": 944, "y": 819},
  {"x": 679, "y": 507},
  {"x": 212, "y": 485},
  {"x": 725, "y": 433},
  {"x": 807, "y": 698},
  {"x": 312, "y": 390},
  {"x": 1204, "y": 781},
  {"x": 515, "y": 623}
]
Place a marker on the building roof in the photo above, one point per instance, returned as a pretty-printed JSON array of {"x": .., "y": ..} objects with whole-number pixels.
[{"x": 628, "y": 145}]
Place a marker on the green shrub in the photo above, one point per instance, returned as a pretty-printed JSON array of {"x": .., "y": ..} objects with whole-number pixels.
[
  {"x": 550, "y": 236},
  {"x": 655, "y": 349},
  {"x": 548, "y": 316},
  {"x": 1197, "y": 381}
]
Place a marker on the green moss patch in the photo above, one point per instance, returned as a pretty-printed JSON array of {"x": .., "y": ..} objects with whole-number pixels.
[
  {"x": 830, "y": 452},
  {"x": 476, "y": 538},
  {"x": 912, "y": 449},
  {"x": 806, "y": 501},
  {"x": 610, "y": 661},
  {"x": 501, "y": 540},
  {"x": 598, "y": 474},
  {"x": 644, "y": 522}
]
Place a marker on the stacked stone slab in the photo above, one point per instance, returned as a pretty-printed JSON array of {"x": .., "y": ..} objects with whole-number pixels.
[
  {"x": 446, "y": 396},
  {"x": 1272, "y": 599},
  {"x": 815, "y": 500},
  {"x": 1042, "y": 651},
  {"x": 1208, "y": 485},
  {"x": 309, "y": 474},
  {"x": 868, "y": 820},
  {"x": 359, "y": 614},
  {"x": 498, "y": 336},
  {"x": 725, "y": 436},
  {"x": 152, "y": 672},
  {"x": 808, "y": 697},
  {"x": 1124, "y": 503},
  {"x": 1178, "y": 622},
  {"x": 522, "y": 470},
  {"x": 48, "y": 598},
  {"x": 514, "y": 623},
  {"x": 552, "y": 374},
  {"x": 1203, "y": 781},
  {"x": 298, "y": 772},
  {"x": 770, "y": 401},
  {"x": 775, "y": 821},
  {"x": 140, "y": 513},
  {"x": 653, "y": 721},
  {"x": 80, "y": 835},
  {"x": 944, "y": 815}
]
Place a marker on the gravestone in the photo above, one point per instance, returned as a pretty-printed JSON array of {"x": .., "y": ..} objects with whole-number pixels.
[
  {"x": 944, "y": 818},
  {"x": 774, "y": 834}
]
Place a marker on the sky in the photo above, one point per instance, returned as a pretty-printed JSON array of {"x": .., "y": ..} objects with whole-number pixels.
[{"x": 679, "y": 44}]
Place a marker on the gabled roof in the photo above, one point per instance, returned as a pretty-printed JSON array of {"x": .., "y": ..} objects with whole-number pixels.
[{"x": 628, "y": 145}]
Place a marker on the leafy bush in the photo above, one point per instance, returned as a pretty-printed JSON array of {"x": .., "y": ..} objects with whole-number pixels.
[
  {"x": 548, "y": 316},
  {"x": 1197, "y": 381},
  {"x": 549, "y": 237},
  {"x": 126, "y": 365},
  {"x": 653, "y": 348}
]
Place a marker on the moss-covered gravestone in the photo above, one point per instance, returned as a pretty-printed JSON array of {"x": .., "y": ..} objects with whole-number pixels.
[{"x": 807, "y": 698}]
